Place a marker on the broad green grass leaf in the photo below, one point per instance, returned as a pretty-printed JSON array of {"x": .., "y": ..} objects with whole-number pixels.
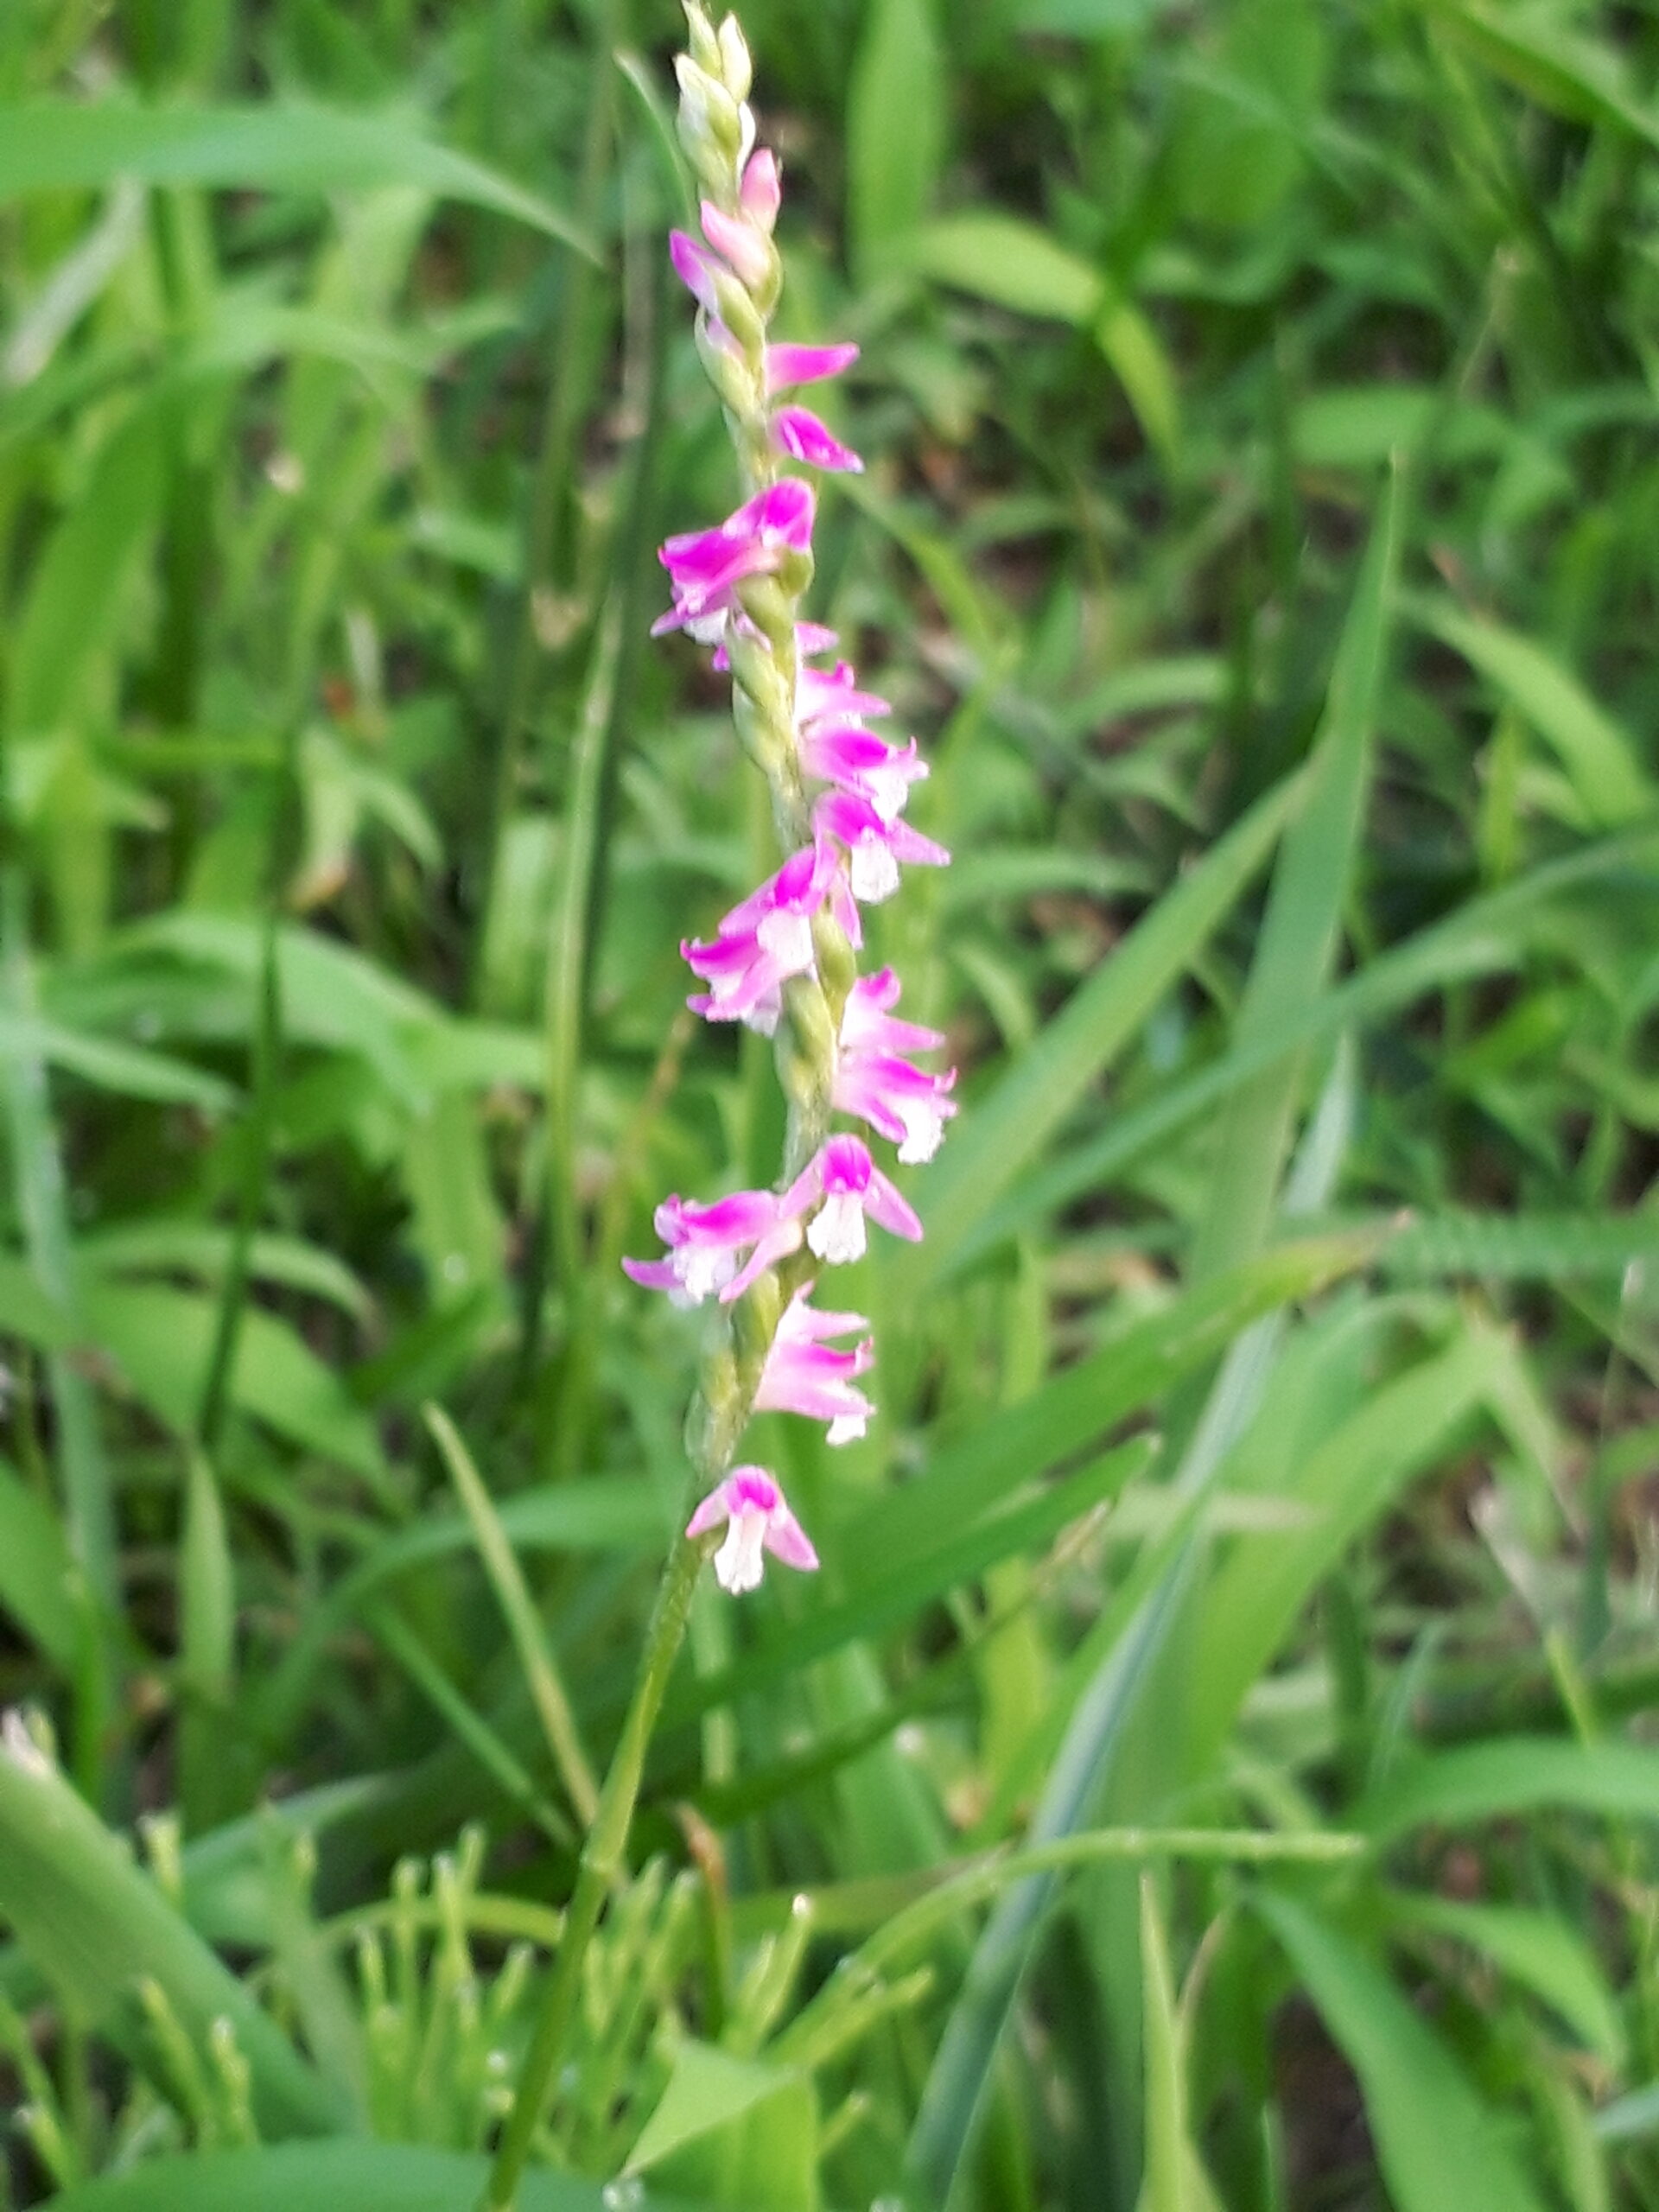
[
  {"x": 1012, "y": 1125},
  {"x": 173, "y": 1244},
  {"x": 1350, "y": 1479},
  {"x": 1133, "y": 1369},
  {"x": 895, "y": 127},
  {"x": 1597, "y": 754},
  {"x": 1517, "y": 1774},
  {"x": 82, "y": 582},
  {"x": 1015, "y": 264},
  {"x": 1487, "y": 936},
  {"x": 1138, "y": 358},
  {"x": 1572, "y": 76},
  {"x": 1010, "y": 263},
  {"x": 1539, "y": 1951},
  {"x": 1305, "y": 908},
  {"x": 162, "y": 1339},
  {"x": 1439, "y": 2146},
  {"x": 1242, "y": 121},
  {"x": 27, "y": 1311},
  {"x": 708, "y": 2091},
  {"x": 127, "y": 1070},
  {"x": 1361, "y": 426},
  {"x": 286, "y": 144},
  {"x": 36, "y": 1572},
  {"x": 95, "y": 1927},
  {"x": 348, "y": 2175}
]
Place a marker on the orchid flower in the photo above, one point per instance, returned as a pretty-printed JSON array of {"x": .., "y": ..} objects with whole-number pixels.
[
  {"x": 803, "y": 1374},
  {"x": 875, "y": 843},
  {"x": 851, "y": 1186},
  {"x": 704, "y": 1243},
  {"x": 874, "y": 1080},
  {"x": 705, "y": 566},
  {"x": 757, "y": 1517}
]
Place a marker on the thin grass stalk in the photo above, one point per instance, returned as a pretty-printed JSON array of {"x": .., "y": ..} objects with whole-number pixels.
[
  {"x": 567, "y": 396},
  {"x": 84, "y": 1469},
  {"x": 252, "y": 1181},
  {"x": 602, "y": 1862}
]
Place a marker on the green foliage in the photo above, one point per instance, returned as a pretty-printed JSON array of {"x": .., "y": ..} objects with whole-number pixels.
[{"x": 1213, "y": 1768}]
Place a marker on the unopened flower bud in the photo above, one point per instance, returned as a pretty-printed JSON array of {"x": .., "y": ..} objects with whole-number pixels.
[
  {"x": 735, "y": 381},
  {"x": 759, "y": 677},
  {"x": 710, "y": 120},
  {"x": 700, "y": 36},
  {"x": 735, "y": 66}
]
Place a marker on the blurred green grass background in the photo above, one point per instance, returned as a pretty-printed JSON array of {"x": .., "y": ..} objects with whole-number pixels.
[{"x": 1258, "y": 1534}]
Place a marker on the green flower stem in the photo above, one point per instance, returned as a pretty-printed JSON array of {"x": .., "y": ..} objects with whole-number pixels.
[{"x": 602, "y": 1861}]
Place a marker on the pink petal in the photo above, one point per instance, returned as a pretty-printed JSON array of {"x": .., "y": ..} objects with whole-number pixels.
[
  {"x": 696, "y": 270},
  {"x": 793, "y": 364},
  {"x": 777, "y": 1244},
  {"x": 847, "y": 1166},
  {"x": 652, "y": 1274},
  {"x": 787, "y": 1540},
  {"x": 798, "y": 431},
  {"x": 886, "y": 1204},
  {"x": 762, "y": 191},
  {"x": 710, "y": 1513},
  {"x": 738, "y": 1219},
  {"x": 748, "y": 253},
  {"x": 753, "y": 1488}
]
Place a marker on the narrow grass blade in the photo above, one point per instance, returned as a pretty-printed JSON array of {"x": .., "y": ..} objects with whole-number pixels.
[
  {"x": 306, "y": 2178},
  {"x": 1517, "y": 1774},
  {"x": 496, "y": 1756},
  {"x": 1438, "y": 2142},
  {"x": 1298, "y": 934},
  {"x": 1011, "y": 1127},
  {"x": 47, "y": 144},
  {"x": 207, "y": 1615},
  {"x": 547, "y": 1689}
]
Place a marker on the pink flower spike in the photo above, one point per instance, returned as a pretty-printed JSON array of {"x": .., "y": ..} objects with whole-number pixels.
[
  {"x": 802, "y": 1374},
  {"x": 798, "y": 433},
  {"x": 856, "y": 759},
  {"x": 815, "y": 637},
  {"x": 851, "y": 1186},
  {"x": 787, "y": 365},
  {"x": 747, "y": 252},
  {"x": 704, "y": 1243},
  {"x": 761, "y": 191},
  {"x": 696, "y": 270},
  {"x": 876, "y": 845},
  {"x": 757, "y": 1519}
]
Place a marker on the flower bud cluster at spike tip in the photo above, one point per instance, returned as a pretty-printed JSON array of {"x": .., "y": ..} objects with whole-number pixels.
[{"x": 783, "y": 961}]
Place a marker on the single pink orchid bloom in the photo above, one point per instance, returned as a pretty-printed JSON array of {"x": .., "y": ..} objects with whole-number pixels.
[
  {"x": 875, "y": 844},
  {"x": 842, "y": 1175},
  {"x": 874, "y": 1080},
  {"x": 757, "y": 1518},
  {"x": 803, "y": 1374},
  {"x": 798, "y": 432}
]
